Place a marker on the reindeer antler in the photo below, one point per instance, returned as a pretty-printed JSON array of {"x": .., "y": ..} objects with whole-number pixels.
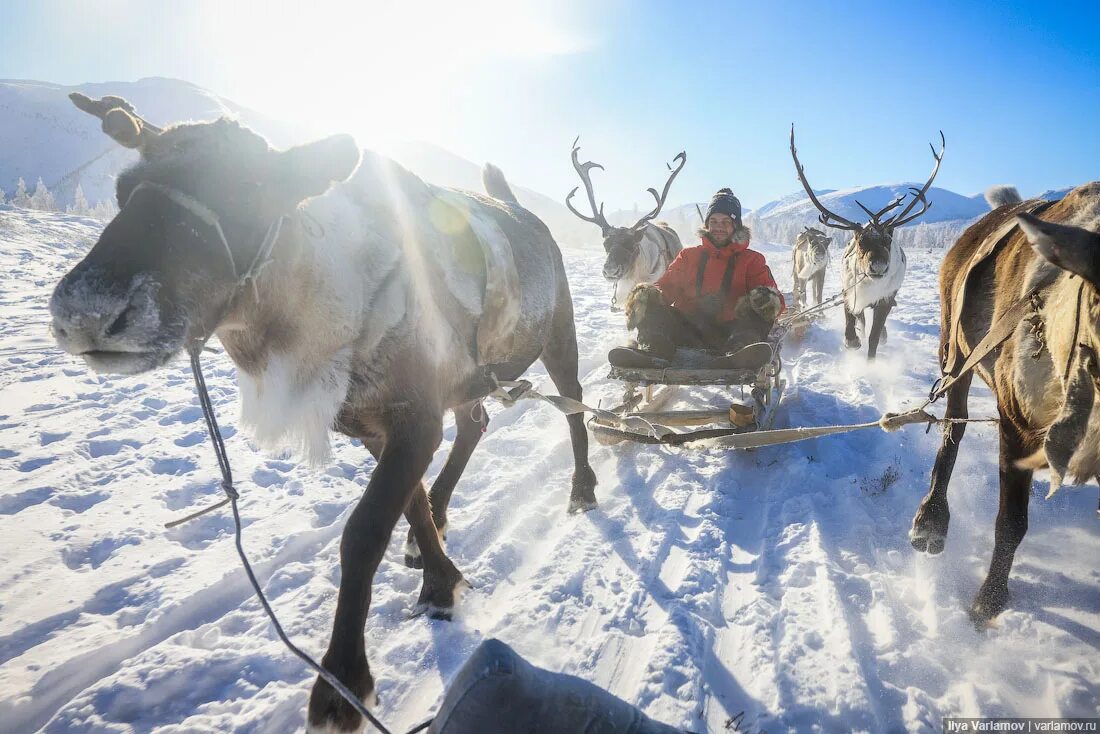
[
  {"x": 119, "y": 119},
  {"x": 837, "y": 221},
  {"x": 918, "y": 195},
  {"x": 583, "y": 169},
  {"x": 682, "y": 157}
]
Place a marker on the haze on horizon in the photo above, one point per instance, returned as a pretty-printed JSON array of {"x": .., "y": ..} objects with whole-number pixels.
[{"x": 1013, "y": 87}]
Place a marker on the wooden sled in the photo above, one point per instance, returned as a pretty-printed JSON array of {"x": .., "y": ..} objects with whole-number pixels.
[{"x": 647, "y": 389}]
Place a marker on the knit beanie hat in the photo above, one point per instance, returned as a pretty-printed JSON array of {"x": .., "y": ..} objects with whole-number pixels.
[{"x": 724, "y": 202}]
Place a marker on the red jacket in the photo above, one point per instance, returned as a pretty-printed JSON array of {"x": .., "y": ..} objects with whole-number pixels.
[{"x": 682, "y": 287}]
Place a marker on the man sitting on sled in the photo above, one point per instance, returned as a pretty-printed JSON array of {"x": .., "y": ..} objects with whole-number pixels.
[{"x": 719, "y": 297}]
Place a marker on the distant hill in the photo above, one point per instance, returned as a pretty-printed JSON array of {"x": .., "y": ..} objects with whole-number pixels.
[
  {"x": 440, "y": 166},
  {"x": 43, "y": 135}
]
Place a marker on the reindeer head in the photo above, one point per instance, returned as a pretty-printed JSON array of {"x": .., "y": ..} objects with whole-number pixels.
[
  {"x": 194, "y": 213},
  {"x": 815, "y": 244},
  {"x": 872, "y": 242},
  {"x": 621, "y": 243}
]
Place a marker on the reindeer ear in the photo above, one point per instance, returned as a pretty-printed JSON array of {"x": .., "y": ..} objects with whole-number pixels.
[
  {"x": 1071, "y": 248},
  {"x": 309, "y": 170}
]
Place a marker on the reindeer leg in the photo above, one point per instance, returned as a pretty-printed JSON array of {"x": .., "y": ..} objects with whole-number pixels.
[
  {"x": 401, "y": 465},
  {"x": 560, "y": 359},
  {"x": 879, "y": 312},
  {"x": 1011, "y": 525},
  {"x": 441, "y": 578},
  {"x": 470, "y": 421},
  {"x": 851, "y": 338},
  {"x": 819, "y": 285},
  {"x": 929, "y": 531}
]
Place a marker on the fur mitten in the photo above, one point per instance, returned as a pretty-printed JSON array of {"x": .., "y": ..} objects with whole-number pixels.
[{"x": 649, "y": 313}]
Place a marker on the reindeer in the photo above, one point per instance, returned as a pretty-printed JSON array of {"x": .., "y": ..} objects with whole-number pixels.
[
  {"x": 810, "y": 259},
  {"x": 1045, "y": 376},
  {"x": 873, "y": 266},
  {"x": 352, "y": 324},
  {"x": 640, "y": 253}
]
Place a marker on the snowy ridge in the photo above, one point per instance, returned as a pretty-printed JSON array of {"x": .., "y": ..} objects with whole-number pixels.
[{"x": 773, "y": 590}]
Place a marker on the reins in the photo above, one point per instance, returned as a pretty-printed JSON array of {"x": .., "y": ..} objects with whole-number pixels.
[{"x": 231, "y": 498}]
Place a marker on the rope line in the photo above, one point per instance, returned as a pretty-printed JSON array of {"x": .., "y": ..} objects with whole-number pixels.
[{"x": 232, "y": 497}]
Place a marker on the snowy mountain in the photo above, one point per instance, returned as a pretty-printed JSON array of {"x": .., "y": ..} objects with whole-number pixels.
[
  {"x": 42, "y": 135},
  {"x": 781, "y": 220},
  {"x": 946, "y": 205},
  {"x": 773, "y": 590}
]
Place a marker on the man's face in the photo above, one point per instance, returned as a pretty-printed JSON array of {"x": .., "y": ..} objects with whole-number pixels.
[{"x": 720, "y": 227}]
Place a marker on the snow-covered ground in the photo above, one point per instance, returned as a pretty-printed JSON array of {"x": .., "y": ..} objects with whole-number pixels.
[{"x": 773, "y": 590}]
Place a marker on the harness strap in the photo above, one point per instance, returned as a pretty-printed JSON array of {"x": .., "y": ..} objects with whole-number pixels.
[
  {"x": 1000, "y": 331},
  {"x": 727, "y": 276},
  {"x": 210, "y": 218},
  {"x": 702, "y": 271},
  {"x": 997, "y": 239}
]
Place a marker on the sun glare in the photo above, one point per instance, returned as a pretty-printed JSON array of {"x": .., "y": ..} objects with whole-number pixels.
[{"x": 385, "y": 70}]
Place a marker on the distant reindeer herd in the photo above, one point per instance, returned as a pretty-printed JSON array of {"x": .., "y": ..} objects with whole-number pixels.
[{"x": 341, "y": 333}]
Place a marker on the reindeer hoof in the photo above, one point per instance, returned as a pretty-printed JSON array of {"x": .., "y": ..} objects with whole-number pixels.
[
  {"x": 329, "y": 713},
  {"x": 852, "y": 343},
  {"x": 583, "y": 496},
  {"x": 932, "y": 546},
  {"x": 439, "y": 598},
  {"x": 413, "y": 559},
  {"x": 987, "y": 605},
  {"x": 929, "y": 531},
  {"x": 581, "y": 505}
]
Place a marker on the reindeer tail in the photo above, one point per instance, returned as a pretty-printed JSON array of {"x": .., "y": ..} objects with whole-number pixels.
[
  {"x": 1002, "y": 195},
  {"x": 495, "y": 184}
]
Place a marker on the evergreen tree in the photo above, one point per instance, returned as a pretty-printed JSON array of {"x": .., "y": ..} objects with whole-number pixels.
[
  {"x": 21, "y": 199},
  {"x": 42, "y": 199},
  {"x": 80, "y": 204}
]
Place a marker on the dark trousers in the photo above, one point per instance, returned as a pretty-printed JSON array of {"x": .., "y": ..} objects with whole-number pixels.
[{"x": 663, "y": 329}]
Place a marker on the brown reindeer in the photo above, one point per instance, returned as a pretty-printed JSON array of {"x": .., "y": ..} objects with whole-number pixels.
[
  {"x": 640, "y": 253},
  {"x": 873, "y": 267},
  {"x": 1044, "y": 376},
  {"x": 809, "y": 261},
  {"x": 357, "y": 322}
]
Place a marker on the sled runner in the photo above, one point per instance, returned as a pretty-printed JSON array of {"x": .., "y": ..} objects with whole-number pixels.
[{"x": 650, "y": 381}]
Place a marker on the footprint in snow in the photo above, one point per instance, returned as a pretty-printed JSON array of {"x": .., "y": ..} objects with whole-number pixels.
[
  {"x": 79, "y": 503},
  {"x": 95, "y": 554},
  {"x": 14, "y": 503},
  {"x": 173, "y": 466},
  {"x": 45, "y": 438},
  {"x": 31, "y": 464},
  {"x": 97, "y": 449}
]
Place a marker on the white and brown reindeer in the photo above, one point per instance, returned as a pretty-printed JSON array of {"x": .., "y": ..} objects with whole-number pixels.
[
  {"x": 1046, "y": 257},
  {"x": 810, "y": 259},
  {"x": 352, "y": 324},
  {"x": 640, "y": 253},
  {"x": 873, "y": 265}
]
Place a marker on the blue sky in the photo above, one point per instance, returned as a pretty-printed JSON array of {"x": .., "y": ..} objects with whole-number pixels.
[{"x": 1015, "y": 86}]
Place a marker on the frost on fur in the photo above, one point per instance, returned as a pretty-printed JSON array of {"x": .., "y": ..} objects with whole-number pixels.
[{"x": 1002, "y": 195}]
